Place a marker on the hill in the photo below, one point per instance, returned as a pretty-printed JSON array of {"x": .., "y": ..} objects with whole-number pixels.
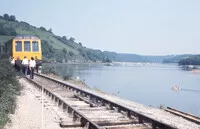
[
  {"x": 54, "y": 47},
  {"x": 60, "y": 49},
  {"x": 176, "y": 58},
  {"x": 139, "y": 58}
]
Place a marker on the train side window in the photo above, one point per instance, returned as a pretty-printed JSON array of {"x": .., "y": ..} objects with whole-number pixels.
[
  {"x": 35, "y": 46},
  {"x": 27, "y": 46},
  {"x": 18, "y": 46}
]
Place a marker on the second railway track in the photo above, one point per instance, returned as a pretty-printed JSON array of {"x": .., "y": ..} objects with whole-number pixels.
[
  {"x": 187, "y": 116},
  {"x": 84, "y": 109}
]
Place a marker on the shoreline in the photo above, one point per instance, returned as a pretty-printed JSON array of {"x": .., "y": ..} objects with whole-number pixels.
[
  {"x": 157, "y": 113},
  {"x": 101, "y": 63},
  {"x": 28, "y": 112},
  {"x": 77, "y": 82},
  {"x": 196, "y": 71}
]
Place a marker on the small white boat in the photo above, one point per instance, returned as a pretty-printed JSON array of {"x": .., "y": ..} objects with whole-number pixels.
[{"x": 176, "y": 88}]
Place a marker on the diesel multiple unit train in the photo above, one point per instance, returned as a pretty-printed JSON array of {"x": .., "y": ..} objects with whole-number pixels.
[{"x": 23, "y": 45}]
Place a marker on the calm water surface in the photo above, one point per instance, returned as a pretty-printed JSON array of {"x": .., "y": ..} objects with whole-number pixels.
[{"x": 148, "y": 84}]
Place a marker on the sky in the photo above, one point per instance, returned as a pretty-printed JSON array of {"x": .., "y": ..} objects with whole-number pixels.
[{"x": 147, "y": 27}]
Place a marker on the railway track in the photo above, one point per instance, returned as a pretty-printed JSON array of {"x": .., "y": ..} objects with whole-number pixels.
[
  {"x": 87, "y": 110},
  {"x": 187, "y": 116}
]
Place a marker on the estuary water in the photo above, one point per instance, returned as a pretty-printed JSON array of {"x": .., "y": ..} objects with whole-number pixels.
[{"x": 148, "y": 84}]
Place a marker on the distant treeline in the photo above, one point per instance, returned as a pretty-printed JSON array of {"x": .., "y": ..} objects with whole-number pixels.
[
  {"x": 191, "y": 60},
  {"x": 186, "y": 59},
  {"x": 176, "y": 58}
]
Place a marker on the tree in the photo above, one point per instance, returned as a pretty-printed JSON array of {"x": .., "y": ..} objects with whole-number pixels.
[
  {"x": 47, "y": 49},
  {"x": 71, "y": 53},
  {"x": 42, "y": 28},
  {"x": 64, "y": 38},
  {"x": 25, "y": 23},
  {"x": 191, "y": 60},
  {"x": 106, "y": 60},
  {"x": 72, "y": 39},
  {"x": 50, "y": 30},
  {"x": 7, "y": 30},
  {"x": 80, "y": 43},
  {"x": 6, "y": 16},
  {"x": 12, "y": 18},
  {"x": 64, "y": 50}
]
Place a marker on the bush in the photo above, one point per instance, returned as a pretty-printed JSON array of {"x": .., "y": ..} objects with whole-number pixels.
[
  {"x": 191, "y": 60},
  {"x": 7, "y": 30},
  {"x": 9, "y": 88},
  {"x": 49, "y": 69},
  {"x": 67, "y": 77},
  {"x": 6, "y": 16},
  {"x": 47, "y": 49},
  {"x": 25, "y": 24},
  {"x": 12, "y": 18},
  {"x": 42, "y": 28},
  {"x": 71, "y": 54},
  {"x": 64, "y": 50},
  {"x": 50, "y": 31}
]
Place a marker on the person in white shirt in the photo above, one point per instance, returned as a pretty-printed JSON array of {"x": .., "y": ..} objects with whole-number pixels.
[
  {"x": 25, "y": 65},
  {"x": 13, "y": 61},
  {"x": 32, "y": 65}
]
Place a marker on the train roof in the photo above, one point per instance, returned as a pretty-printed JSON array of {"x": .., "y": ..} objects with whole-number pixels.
[{"x": 26, "y": 37}]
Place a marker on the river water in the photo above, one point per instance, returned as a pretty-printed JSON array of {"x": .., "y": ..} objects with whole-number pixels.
[{"x": 148, "y": 84}]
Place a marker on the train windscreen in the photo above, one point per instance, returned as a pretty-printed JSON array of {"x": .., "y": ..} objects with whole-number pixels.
[
  {"x": 35, "y": 46},
  {"x": 18, "y": 46}
]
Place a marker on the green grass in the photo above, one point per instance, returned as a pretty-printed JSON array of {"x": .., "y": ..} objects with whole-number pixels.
[
  {"x": 4, "y": 39},
  {"x": 3, "y": 120},
  {"x": 9, "y": 89}
]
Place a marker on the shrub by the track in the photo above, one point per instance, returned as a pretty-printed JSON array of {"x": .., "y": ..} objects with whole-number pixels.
[{"x": 9, "y": 89}]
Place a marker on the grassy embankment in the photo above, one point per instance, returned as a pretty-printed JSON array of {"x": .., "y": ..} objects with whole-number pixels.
[{"x": 9, "y": 89}]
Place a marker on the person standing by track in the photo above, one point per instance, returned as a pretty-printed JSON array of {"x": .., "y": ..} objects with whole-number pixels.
[
  {"x": 25, "y": 65},
  {"x": 18, "y": 65},
  {"x": 38, "y": 64},
  {"x": 32, "y": 65},
  {"x": 12, "y": 61}
]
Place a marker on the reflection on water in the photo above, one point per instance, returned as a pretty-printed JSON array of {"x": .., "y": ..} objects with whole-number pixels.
[
  {"x": 191, "y": 90},
  {"x": 73, "y": 69},
  {"x": 189, "y": 67},
  {"x": 177, "y": 89},
  {"x": 149, "y": 84}
]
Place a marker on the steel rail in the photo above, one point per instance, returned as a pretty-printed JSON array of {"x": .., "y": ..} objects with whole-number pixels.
[
  {"x": 185, "y": 115},
  {"x": 130, "y": 112},
  {"x": 85, "y": 122}
]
